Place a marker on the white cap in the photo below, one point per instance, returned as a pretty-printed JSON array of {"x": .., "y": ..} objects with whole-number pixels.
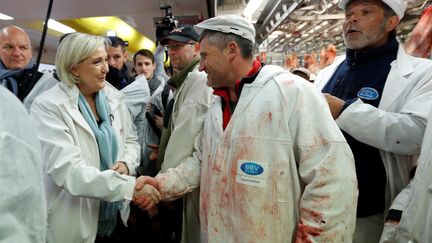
[
  {"x": 228, "y": 24},
  {"x": 398, "y": 6}
]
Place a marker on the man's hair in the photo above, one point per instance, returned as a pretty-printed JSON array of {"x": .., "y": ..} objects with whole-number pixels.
[
  {"x": 221, "y": 40},
  {"x": 117, "y": 41},
  {"x": 74, "y": 49},
  {"x": 143, "y": 52}
]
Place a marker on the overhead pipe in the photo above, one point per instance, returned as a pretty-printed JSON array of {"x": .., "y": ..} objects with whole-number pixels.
[{"x": 44, "y": 31}]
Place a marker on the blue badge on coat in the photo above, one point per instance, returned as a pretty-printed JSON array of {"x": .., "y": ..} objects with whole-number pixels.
[
  {"x": 251, "y": 168},
  {"x": 368, "y": 93}
]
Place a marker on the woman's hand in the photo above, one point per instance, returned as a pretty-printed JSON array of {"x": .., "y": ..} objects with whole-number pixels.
[
  {"x": 120, "y": 167},
  {"x": 146, "y": 194}
]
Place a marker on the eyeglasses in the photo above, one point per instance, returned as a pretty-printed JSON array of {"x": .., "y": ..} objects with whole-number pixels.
[{"x": 177, "y": 46}]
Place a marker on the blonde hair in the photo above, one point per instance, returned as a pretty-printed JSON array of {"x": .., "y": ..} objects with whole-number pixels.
[{"x": 73, "y": 49}]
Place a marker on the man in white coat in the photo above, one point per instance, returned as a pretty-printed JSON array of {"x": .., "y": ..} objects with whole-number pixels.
[
  {"x": 271, "y": 164},
  {"x": 23, "y": 206},
  {"x": 414, "y": 202},
  {"x": 379, "y": 97}
]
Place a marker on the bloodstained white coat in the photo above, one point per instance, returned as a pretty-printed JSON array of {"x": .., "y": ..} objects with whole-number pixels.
[{"x": 307, "y": 188}]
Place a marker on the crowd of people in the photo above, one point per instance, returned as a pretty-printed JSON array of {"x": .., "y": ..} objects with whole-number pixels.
[{"x": 227, "y": 148}]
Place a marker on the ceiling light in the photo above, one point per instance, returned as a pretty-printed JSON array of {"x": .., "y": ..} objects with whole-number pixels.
[
  {"x": 5, "y": 17},
  {"x": 57, "y": 26},
  {"x": 111, "y": 33}
]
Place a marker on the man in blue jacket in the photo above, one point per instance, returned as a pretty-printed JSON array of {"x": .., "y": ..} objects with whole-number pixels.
[{"x": 379, "y": 97}]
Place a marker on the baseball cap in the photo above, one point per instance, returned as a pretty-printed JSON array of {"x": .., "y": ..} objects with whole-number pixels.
[
  {"x": 183, "y": 34},
  {"x": 398, "y": 6},
  {"x": 228, "y": 24},
  {"x": 301, "y": 70}
]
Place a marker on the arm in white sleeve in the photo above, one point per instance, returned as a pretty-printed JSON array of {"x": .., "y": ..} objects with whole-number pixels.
[
  {"x": 132, "y": 150},
  {"x": 65, "y": 165},
  {"x": 159, "y": 56},
  {"x": 400, "y": 133},
  {"x": 184, "y": 178},
  {"x": 326, "y": 169}
]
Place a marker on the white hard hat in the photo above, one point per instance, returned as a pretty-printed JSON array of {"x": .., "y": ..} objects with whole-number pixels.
[{"x": 398, "y": 6}]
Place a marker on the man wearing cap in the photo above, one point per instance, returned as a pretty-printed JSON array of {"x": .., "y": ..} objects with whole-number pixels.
[
  {"x": 183, "y": 120},
  {"x": 379, "y": 97},
  {"x": 267, "y": 171}
]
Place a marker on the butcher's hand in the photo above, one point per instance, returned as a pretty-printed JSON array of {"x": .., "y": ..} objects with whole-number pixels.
[
  {"x": 335, "y": 104},
  {"x": 146, "y": 194}
]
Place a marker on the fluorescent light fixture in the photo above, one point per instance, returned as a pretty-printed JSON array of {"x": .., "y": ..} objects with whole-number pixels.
[
  {"x": 251, "y": 7},
  {"x": 57, "y": 26},
  {"x": 111, "y": 33},
  {"x": 5, "y": 17}
]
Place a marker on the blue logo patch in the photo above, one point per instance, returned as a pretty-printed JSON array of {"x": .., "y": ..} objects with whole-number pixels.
[
  {"x": 368, "y": 93},
  {"x": 251, "y": 168}
]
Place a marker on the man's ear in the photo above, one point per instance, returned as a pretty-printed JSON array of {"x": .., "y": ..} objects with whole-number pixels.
[
  {"x": 232, "y": 48},
  {"x": 392, "y": 23},
  {"x": 197, "y": 47}
]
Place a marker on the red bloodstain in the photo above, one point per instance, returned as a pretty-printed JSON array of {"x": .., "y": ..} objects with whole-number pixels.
[
  {"x": 304, "y": 233},
  {"x": 316, "y": 216},
  {"x": 313, "y": 213}
]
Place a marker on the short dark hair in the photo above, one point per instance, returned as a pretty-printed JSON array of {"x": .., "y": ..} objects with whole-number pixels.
[
  {"x": 117, "y": 41},
  {"x": 143, "y": 52},
  {"x": 221, "y": 40}
]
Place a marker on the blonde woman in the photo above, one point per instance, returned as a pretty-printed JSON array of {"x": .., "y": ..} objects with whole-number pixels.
[{"x": 88, "y": 145}]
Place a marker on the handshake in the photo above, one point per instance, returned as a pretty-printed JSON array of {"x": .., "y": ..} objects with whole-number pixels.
[{"x": 146, "y": 194}]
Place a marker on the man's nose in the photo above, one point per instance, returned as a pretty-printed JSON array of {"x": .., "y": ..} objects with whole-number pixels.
[
  {"x": 16, "y": 51},
  {"x": 111, "y": 61},
  {"x": 352, "y": 18}
]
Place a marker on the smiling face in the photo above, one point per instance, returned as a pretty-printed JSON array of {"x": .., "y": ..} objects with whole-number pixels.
[
  {"x": 215, "y": 63},
  {"x": 15, "y": 47},
  {"x": 92, "y": 71},
  {"x": 366, "y": 25}
]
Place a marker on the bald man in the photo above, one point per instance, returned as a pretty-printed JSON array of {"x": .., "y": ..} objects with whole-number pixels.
[{"x": 17, "y": 66}]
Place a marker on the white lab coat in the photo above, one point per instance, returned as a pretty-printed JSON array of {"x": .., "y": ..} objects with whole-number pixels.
[
  {"x": 44, "y": 83},
  {"x": 397, "y": 126},
  {"x": 74, "y": 183},
  {"x": 23, "y": 213},
  {"x": 307, "y": 188},
  {"x": 136, "y": 96},
  {"x": 415, "y": 224}
]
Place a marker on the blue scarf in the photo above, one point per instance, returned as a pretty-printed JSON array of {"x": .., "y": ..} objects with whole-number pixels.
[
  {"x": 107, "y": 143},
  {"x": 7, "y": 77}
]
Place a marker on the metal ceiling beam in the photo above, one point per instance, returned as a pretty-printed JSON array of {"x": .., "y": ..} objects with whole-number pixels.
[
  {"x": 273, "y": 15},
  {"x": 318, "y": 17}
]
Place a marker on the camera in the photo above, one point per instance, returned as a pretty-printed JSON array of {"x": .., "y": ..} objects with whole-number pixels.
[{"x": 166, "y": 24}]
